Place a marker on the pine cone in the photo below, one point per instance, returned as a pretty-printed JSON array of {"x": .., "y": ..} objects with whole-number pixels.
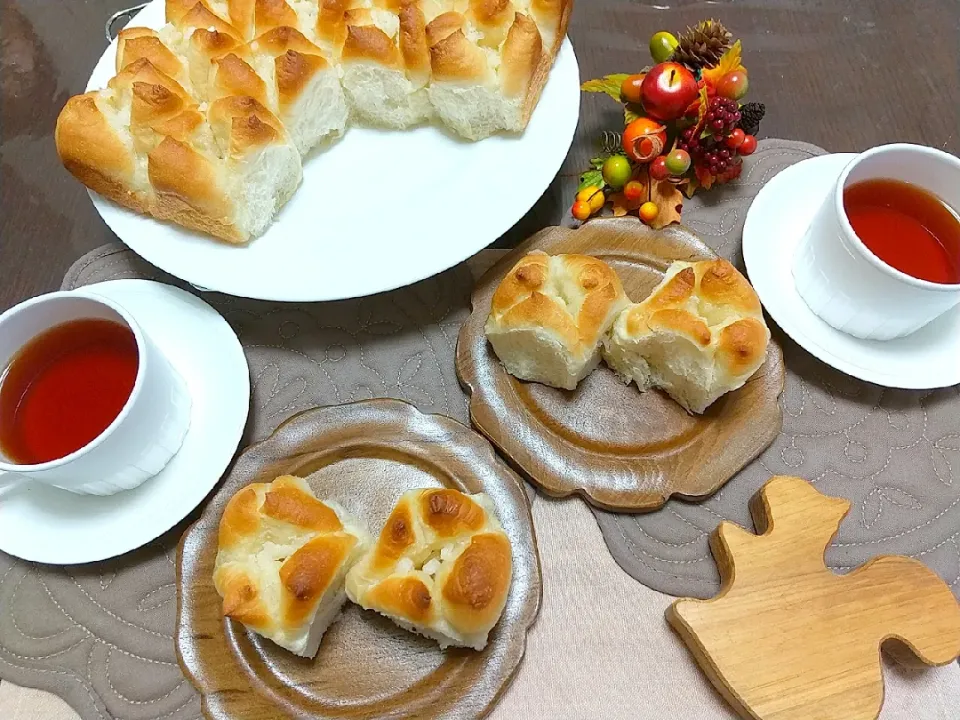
[
  {"x": 703, "y": 45},
  {"x": 750, "y": 116}
]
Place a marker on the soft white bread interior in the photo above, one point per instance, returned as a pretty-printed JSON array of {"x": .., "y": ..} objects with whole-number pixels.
[
  {"x": 477, "y": 65},
  {"x": 386, "y": 66},
  {"x": 699, "y": 335},
  {"x": 441, "y": 567},
  {"x": 549, "y": 315},
  {"x": 282, "y": 559}
]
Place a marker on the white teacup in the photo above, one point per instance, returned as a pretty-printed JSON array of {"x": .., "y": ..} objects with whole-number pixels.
[
  {"x": 142, "y": 438},
  {"x": 844, "y": 282}
]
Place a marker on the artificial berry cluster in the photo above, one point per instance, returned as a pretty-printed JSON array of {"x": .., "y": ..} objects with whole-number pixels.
[
  {"x": 722, "y": 116},
  {"x": 713, "y": 154}
]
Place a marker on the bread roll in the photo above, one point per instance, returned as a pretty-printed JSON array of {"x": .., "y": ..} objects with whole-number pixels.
[
  {"x": 441, "y": 568},
  {"x": 476, "y": 65},
  {"x": 699, "y": 335},
  {"x": 283, "y": 555},
  {"x": 549, "y": 314}
]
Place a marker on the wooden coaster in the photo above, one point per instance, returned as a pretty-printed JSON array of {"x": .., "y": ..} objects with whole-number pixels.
[{"x": 787, "y": 639}]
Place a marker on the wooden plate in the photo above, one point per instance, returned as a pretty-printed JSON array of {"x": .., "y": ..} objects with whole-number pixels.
[
  {"x": 363, "y": 455},
  {"x": 621, "y": 449}
]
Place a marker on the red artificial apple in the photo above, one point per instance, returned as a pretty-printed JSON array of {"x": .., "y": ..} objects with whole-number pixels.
[{"x": 667, "y": 90}]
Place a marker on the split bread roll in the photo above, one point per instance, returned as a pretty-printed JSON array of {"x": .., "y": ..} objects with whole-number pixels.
[
  {"x": 549, "y": 315},
  {"x": 282, "y": 559},
  {"x": 699, "y": 335},
  {"x": 441, "y": 568},
  {"x": 207, "y": 119}
]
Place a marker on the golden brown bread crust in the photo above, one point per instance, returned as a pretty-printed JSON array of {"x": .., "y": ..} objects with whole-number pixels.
[
  {"x": 442, "y": 26},
  {"x": 234, "y": 77},
  {"x": 176, "y": 9},
  {"x": 211, "y": 44},
  {"x": 546, "y": 11},
  {"x": 492, "y": 18},
  {"x": 522, "y": 55},
  {"x": 456, "y": 59},
  {"x": 281, "y": 39},
  {"x": 241, "y": 600},
  {"x": 368, "y": 42},
  {"x": 743, "y": 344},
  {"x": 722, "y": 283},
  {"x": 682, "y": 321},
  {"x": 476, "y": 588},
  {"x": 293, "y": 70},
  {"x": 527, "y": 298},
  {"x": 287, "y": 502},
  {"x": 188, "y": 190},
  {"x": 405, "y": 597},
  {"x": 397, "y": 536},
  {"x": 273, "y": 14},
  {"x": 241, "y": 516},
  {"x": 241, "y": 124},
  {"x": 450, "y": 513},
  {"x": 199, "y": 16},
  {"x": 413, "y": 43},
  {"x": 307, "y": 574},
  {"x": 332, "y": 22},
  {"x": 142, "y": 43},
  {"x": 91, "y": 151}
]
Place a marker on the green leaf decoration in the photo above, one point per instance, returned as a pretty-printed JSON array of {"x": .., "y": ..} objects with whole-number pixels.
[
  {"x": 591, "y": 177},
  {"x": 609, "y": 84},
  {"x": 631, "y": 113}
]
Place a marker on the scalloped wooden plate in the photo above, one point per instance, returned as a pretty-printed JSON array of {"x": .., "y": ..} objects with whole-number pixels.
[
  {"x": 621, "y": 449},
  {"x": 364, "y": 455}
]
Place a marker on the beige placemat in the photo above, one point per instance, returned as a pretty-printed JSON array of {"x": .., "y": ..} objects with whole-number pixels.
[{"x": 100, "y": 636}]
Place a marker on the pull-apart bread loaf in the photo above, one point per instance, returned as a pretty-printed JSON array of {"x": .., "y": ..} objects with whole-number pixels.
[
  {"x": 441, "y": 568},
  {"x": 549, "y": 315},
  {"x": 699, "y": 335},
  {"x": 207, "y": 119},
  {"x": 282, "y": 560}
]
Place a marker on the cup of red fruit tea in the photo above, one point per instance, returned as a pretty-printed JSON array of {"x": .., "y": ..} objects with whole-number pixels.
[
  {"x": 881, "y": 258},
  {"x": 88, "y": 403}
]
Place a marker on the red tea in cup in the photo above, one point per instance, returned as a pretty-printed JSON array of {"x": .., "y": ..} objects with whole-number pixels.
[
  {"x": 64, "y": 387},
  {"x": 907, "y": 227}
]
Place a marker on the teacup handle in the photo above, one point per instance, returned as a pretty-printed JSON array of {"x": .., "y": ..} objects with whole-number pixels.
[{"x": 10, "y": 481}]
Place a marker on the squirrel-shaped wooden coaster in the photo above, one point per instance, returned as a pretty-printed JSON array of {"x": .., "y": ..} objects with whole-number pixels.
[{"x": 786, "y": 638}]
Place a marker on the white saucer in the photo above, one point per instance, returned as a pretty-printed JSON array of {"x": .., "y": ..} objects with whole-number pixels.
[
  {"x": 48, "y": 525},
  {"x": 777, "y": 220}
]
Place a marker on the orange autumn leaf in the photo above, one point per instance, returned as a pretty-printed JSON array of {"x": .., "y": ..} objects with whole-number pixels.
[
  {"x": 669, "y": 201},
  {"x": 729, "y": 62}
]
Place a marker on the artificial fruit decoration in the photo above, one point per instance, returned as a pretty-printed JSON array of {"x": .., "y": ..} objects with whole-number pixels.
[
  {"x": 662, "y": 46},
  {"x": 644, "y": 139},
  {"x": 733, "y": 85},
  {"x": 685, "y": 128},
  {"x": 667, "y": 90}
]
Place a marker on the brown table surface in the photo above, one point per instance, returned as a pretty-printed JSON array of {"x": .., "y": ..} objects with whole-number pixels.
[{"x": 843, "y": 74}]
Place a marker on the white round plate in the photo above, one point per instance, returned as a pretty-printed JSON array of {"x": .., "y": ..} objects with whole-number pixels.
[
  {"x": 376, "y": 211},
  {"x": 48, "y": 525},
  {"x": 777, "y": 220}
]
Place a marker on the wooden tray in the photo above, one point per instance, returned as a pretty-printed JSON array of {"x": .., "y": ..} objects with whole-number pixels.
[
  {"x": 364, "y": 455},
  {"x": 621, "y": 449}
]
